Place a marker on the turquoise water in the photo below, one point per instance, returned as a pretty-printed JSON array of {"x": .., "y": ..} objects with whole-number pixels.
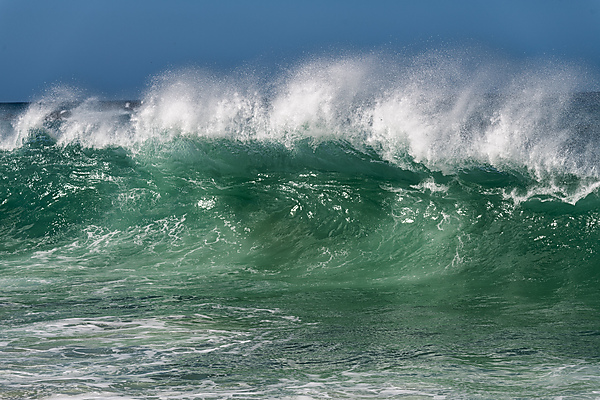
[{"x": 325, "y": 238}]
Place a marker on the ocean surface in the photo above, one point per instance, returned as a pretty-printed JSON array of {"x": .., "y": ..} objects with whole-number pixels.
[{"x": 348, "y": 228}]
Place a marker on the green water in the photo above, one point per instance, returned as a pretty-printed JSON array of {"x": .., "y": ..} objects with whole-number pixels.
[{"x": 216, "y": 268}]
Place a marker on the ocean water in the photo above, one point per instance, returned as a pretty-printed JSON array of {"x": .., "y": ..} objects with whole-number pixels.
[{"x": 347, "y": 228}]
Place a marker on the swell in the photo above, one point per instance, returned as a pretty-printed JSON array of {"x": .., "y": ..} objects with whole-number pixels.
[{"x": 335, "y": 171}]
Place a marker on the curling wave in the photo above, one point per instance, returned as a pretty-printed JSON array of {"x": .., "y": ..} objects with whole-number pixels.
[{"x": 438, "y": 111}]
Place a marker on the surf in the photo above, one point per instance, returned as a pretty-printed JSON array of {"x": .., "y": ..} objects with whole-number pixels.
[
  {"x": 444, "y": 110},
  {"x": 357, "y": 226}
]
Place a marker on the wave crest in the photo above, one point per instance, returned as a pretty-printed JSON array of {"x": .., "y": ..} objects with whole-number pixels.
[{"x": 446, "y": 110}]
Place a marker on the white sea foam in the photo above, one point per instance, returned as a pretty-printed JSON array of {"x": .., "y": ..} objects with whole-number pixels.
[
  {"x": 441, "y": 108},
  {"x": 90, "y": 396}
]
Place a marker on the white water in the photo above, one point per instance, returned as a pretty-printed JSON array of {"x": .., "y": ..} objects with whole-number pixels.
[{"x": 442, "y": 109}]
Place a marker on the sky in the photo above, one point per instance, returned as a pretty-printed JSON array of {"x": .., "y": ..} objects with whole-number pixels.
[{"x": 112, "y": 48}]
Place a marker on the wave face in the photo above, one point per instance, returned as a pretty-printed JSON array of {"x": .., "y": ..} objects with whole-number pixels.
[{"x": 352, "y": 228}]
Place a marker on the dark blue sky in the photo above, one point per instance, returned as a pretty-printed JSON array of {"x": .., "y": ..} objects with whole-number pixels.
[{"x": 112, "y": 48}]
